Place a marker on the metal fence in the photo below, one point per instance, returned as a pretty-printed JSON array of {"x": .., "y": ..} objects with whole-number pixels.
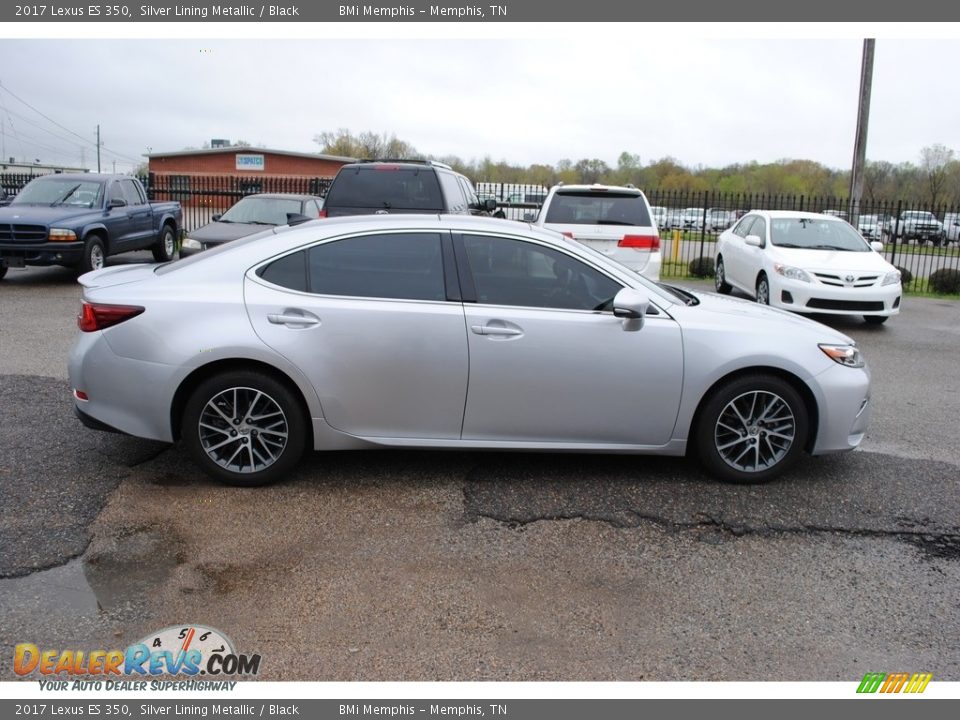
[
  {"x": 206, "y": 195},
  {"x": 917, "y": 238}
]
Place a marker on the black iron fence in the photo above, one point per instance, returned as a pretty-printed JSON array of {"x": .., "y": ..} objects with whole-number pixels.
[
  {"x": 922, "y": 240},
  {"x": 203, "y": 196}
]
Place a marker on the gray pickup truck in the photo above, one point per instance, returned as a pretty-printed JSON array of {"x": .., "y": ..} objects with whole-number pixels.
[{"x": 78, "y": 220}]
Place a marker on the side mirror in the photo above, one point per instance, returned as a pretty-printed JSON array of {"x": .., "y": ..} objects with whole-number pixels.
[
  {"x": 753, "y": 241},
  {"x": 215, "y": 217},
  {"x": 631, "y": 305},
  {"x": 490, "y": 204},
  {"x": 529, "y": 217},
  {"x": 116, "y": 202},
  {"x": 878, "y": 246}
]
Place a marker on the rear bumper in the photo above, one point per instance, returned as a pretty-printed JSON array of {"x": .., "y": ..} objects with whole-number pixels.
[{"x": 49, "y": 253}]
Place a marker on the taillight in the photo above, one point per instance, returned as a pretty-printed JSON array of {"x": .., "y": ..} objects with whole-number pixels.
[
  {"x": 640, "y": 242},
  {"x": 323, "y": 213},
  {"x": 568, "y": 234},
  {"x": 96, "y": 316}
]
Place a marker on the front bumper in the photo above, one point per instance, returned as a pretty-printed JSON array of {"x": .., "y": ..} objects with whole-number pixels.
[
  {"x": 815, "y": 297},
  {"x": 48, "y": 253},
  {"x": 843, "y": 399}
]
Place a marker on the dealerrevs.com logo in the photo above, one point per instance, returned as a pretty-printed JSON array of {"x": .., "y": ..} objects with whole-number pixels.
[
  {"x": 190, "y": 650},
  {"x": 889, "y": 683}
]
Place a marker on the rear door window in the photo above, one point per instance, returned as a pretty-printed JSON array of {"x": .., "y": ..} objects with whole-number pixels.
[
  {"x": 403, "y": 266},
  {"x": 451, "y": 188}
]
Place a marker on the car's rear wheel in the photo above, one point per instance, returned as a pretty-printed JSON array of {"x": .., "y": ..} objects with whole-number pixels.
[
  {"x": 763, "y": 290},
  {"x": 244, "y": 428},
  {"x": 875, "y": 319},
  {"x": 3, "y": 271},
  {"x": 166, "y": 245},
  {"x": 720, "y": 279},
  {"x": 94, "y": 256},
  {"x": 751, "y": 429}
]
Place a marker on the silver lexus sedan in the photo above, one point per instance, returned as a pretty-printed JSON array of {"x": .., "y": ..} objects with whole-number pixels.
[{"x": 450, "y": 332}]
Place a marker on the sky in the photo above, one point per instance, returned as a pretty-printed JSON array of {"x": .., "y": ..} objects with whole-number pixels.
[{"x": 703, "y": 101}]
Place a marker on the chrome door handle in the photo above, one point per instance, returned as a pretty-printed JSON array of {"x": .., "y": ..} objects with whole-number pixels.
[
  {"x": 488, "y": 330},
  {"x": 283, "y": 319}
]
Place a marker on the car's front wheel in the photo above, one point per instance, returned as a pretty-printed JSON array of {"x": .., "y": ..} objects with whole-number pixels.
[
  {"x": 3, "y": 271},
  {"x": 875, "y": 319},
  {"x": 94, "y": 256},
  {"x": 244, "y": 428},
  {"x": 751, "y": 429},
  {"x": 763, "y": 290},
  {"x": 720, "y": 278}
]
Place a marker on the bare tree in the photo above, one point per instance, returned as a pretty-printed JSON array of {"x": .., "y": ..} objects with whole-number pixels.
[{"x": 934, "y": 162}]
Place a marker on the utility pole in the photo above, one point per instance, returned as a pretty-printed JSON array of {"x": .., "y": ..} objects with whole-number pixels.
[
  {"x": 98, "y": 147},
  {"x": 860, "y": 143}
]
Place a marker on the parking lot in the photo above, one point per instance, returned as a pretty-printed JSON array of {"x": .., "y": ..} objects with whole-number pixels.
[{"x": 490, "y": 566}]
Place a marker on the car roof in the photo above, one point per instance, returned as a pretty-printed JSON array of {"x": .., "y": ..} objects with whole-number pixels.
[
  {"x": 796, "y": 214},
  {"x": 282, "y": 196},
  {"x": 595, "y": 186}
]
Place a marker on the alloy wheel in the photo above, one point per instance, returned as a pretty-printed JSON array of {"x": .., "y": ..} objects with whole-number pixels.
[{"x": 755, "y": 431}]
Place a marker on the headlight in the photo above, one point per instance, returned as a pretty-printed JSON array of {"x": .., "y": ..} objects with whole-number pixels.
[
  {"x": 61, "y": 235},
  {"x": 191, "y": 244},
  {"x": 792, "y": 273},
  {"x": 891, "y": 278},
  {"x": 848, "y": 355}
]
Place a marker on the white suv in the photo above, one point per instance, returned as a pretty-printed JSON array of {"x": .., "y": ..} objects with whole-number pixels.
[{"x": 612, "y": 220}]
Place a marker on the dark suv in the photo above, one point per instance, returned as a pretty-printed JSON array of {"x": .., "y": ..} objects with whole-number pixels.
[{"x": 402, "y": 186}]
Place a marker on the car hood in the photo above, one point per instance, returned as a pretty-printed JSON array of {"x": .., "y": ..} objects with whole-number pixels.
[
  {"x": 737, "y": 312},
  {"x": 218, "y": 232},
  {"x": 42, "y": 214},
  {"x": 832, "y": 260}
]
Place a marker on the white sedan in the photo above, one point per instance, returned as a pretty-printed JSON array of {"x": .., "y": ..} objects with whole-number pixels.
[{"x": 808, "y": 263}]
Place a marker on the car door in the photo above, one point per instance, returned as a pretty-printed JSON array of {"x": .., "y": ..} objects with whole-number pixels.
[
  {"x": 369, "y": 320},
  {"x": 117, "y": 219},
  {"x": 733, "y": 252},
  {"x": 139, "y": 214},
  {"x": 753, "y": 257},
  {"x": 548, "y": 360}
]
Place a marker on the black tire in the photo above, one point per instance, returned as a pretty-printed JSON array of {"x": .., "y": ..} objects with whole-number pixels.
[
  {"x": 94, "y": 255},
  {"x": 762, "y": 442},
  {"x": 763, "y": 289},
  {"x": 875, "y": 319},
  {"x": 720, "y": 278},
  {"x": 275, "y": 442},
  {"x": 3, "y": 271},
  {"x": 166, "y": 246}
]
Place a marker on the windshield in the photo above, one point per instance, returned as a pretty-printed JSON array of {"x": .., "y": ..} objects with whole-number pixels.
[
  {"x": 816, "y": 234},
  {"x": 262, "y": 210},
  {"x": 60, "y": 191},
  {"x": 919, "y": 215},
  {"x": 592, "y": 208}
]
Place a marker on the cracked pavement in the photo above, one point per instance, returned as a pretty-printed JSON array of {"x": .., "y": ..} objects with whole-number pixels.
[{"x": 466, "y": 566}]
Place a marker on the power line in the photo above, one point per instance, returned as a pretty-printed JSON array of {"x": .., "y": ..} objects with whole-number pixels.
[{"x": 62, "y": 127}]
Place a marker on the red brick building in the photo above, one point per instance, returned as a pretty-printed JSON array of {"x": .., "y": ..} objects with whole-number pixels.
[
  {"x": 233, "y": 160},
  {"x": 211, "y": 180}
]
